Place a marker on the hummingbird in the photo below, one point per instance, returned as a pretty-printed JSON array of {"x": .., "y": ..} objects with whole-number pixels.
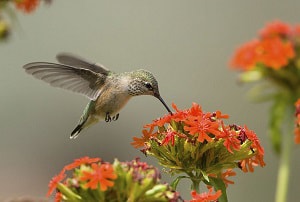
[{"x": 107, "y": 91}]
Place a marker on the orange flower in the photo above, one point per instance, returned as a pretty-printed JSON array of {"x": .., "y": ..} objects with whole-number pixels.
[
  {"x": 259, "y": 159},
  {"x": 226, "y": 174},
  {"x": 248, "y": 164},
  {"x": 205, "y": 197},
  {"x": 81, "y": 161},
  {"x": 254, "y": 140},
  {"x": 297, "y": 122},
  {"x": 100, "y": 174},
  {"x": 230, "y": 137},
  {"x": 54, "y": 182},
  {"x": 296, "y": 34},
  {"x": 58, "y": 197},
  {"x": 180, "y": 115},
  {"x": 140, "y": 142},
  {"x": 195, "y": 110},
  {"x": 202, "y": 126},
  {"x": 274, "y": 49},
  {"x": 245, "y": 57},
  {"x": 271, "y": 52},
  {"x": 275, "y": 29},
  {"x": 297, "y": 30},
  {"x": 218, "y": 114},
  {"x": 275, "y": 53},
  {"x": 26, "y": 6},
  {"x": 196, "y": 122},
  {"x": 159, "y": 122},
  {"x": 297, "y": 135},
  {"x": 170, "y": 137},
  {"x": 297, "y": 105}
]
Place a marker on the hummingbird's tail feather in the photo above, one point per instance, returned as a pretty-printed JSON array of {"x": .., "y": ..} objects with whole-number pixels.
[
  {"x": 83, "y": 123},
  {"x": 76, "y": 131},
  {"x": 85, "y": 120}
]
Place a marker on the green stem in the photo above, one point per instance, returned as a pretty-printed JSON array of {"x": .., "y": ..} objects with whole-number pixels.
[
  {"x": 219, "y": 184},
  {"x": 195, "y": 185},
  {"x": 195, "y": 181},
  {"x": 284, "y": 166}
]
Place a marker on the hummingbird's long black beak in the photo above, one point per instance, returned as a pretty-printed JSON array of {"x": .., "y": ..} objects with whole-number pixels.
[{"x": 163, "y": 102}]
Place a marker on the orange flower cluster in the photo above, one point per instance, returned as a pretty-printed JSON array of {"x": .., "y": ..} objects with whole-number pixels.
[
  {"x": 274, "y": 48},
  {"x": 297, "y": 122},
  {"x": 26, "y": 6},
  {"x": 198, "y": 123},
  {"x": 202, "y": 127},
  {"x": 95, "y": 180},
  {"x": 94, "y": 175},
  {"x": 202, "y": 146}
]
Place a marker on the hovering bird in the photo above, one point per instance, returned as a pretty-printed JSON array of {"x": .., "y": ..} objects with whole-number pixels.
[{"x": 108, "y": 91}]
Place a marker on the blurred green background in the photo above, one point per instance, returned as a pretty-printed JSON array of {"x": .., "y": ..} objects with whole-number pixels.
[{"x": 185, "y": 44}]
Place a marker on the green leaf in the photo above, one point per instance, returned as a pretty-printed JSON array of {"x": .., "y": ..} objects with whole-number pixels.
[
  {"x": 157, "y": 189},
  {"x": 205, "y": 176},
  {"x": 68, "y": 193},
  {"x": 261, "y": 93},
  {"x": 176, "y": 181},
  {"x": 251, "y": 76}
]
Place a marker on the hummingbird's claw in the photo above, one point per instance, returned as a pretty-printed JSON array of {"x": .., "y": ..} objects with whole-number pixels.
[
  {"x": 107, "y": 117},
  {"x": 114, "y": 118}
]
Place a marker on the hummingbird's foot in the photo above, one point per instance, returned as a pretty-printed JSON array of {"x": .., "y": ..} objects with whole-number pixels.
[
  {"x": 107, "y": 117},
  {"x": 114, "y": 118}
]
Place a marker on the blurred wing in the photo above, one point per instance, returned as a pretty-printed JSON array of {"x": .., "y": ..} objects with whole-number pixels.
[
  {"x": 78, "y": 80},
  {"x": 76, "y": 61}
]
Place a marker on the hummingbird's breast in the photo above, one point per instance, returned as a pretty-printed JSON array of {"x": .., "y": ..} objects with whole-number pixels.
[{"x": 112, "y": 99}]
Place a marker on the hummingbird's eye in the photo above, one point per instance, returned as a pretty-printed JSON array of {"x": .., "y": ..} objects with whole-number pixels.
[{"x": 148, "y": 85}]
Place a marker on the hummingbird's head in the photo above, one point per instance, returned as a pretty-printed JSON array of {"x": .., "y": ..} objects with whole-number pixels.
[{"x": 143, "y": 82}]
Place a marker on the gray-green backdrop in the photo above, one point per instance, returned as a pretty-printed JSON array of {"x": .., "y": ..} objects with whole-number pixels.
[{"x": 187, "y": 46}]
